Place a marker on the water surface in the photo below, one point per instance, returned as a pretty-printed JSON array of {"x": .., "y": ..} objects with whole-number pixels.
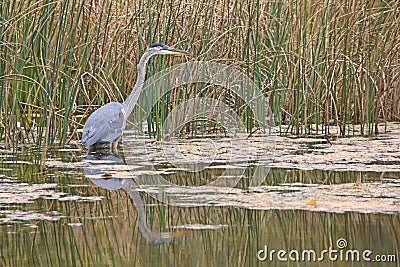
[{"x": 79, "y": 210}]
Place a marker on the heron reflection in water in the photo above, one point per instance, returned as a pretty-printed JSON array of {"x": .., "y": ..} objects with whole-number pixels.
[
  {"x": 98, "y": 171},
  {"x": 105, "y": 126}
]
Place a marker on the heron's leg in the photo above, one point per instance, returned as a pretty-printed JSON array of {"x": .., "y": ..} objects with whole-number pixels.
[
  {"x": 91, "y": 149},
  {"x": 114, "y": 147}
]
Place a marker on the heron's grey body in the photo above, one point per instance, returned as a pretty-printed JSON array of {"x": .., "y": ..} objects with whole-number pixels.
[{"x": 106, "y": 124}]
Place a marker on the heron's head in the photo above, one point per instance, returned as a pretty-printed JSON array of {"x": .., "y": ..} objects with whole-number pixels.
[{"x": 163, "y": 49}]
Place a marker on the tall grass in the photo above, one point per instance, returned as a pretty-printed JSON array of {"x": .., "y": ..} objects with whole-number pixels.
[{"x": 323, "y": 64}]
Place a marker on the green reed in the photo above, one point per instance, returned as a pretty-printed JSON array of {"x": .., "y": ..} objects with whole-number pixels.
[{"x": 325, "y": 66}]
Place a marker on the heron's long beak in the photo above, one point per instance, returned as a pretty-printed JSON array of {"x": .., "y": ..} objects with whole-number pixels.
[{"x": 175, "y": 51}]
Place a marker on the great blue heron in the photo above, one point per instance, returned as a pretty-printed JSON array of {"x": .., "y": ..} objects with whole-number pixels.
[{"x": 106, "y": 124}]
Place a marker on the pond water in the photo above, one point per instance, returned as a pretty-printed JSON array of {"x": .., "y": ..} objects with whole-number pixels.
[{"x": 308, "y": 203}]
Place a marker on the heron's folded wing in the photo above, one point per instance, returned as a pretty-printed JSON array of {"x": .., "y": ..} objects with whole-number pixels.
[{"x": 105, "y": 125}]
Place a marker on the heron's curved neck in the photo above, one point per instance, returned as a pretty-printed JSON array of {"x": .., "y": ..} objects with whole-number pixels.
[{"x": 132, "y": 99}]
